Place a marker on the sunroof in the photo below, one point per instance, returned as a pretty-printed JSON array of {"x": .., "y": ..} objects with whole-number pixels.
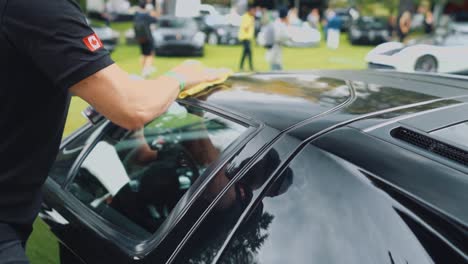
[{"x": 457, "y": 134}]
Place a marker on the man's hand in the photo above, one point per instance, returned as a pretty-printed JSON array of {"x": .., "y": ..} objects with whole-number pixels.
[{"x": 133, "y": 103}]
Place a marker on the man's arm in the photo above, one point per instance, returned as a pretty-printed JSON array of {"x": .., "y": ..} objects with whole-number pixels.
[
  {"x": 133, "y": 103},
  {"x": 54, "y": 37}
]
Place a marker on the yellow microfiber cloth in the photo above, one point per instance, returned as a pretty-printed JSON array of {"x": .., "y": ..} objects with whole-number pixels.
[{"x": 204, "y": 86}]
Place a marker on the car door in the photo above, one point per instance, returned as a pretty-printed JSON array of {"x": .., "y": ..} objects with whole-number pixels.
[{"x": 114, "y": 195}]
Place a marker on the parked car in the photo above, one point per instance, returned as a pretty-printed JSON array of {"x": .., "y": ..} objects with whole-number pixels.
[
  {"x": 445, "y": 57},
  {"x": 303, "y": 36},
  {"x": 443, "y": 51},
  {"x": 329, "y": 166},
  {"x": 206, "y": 9},
  {"x": 369, "y": 30},
  {"x": 109, "y": 37},
  {"x": 130, "y": 38},
  {"x": 178, "y": 36},
  {"x": 299, "y": 36},
  {"x": 345, "y": 18},
  {"x": 223, "y": 35},
  {"x": 218, "y": 30}
]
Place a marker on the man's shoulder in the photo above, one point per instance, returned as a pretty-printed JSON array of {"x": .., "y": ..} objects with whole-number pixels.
[{"x": 39, "y": 10}]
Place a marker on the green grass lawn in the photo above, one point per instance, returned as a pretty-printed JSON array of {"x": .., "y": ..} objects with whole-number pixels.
[{"x": 43, "y": 248}]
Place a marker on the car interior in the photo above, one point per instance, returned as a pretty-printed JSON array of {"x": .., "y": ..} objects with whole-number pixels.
[{"x": 134, "y": 179}]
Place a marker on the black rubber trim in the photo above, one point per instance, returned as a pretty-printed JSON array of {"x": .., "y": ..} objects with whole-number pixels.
[{"x": 432, "y": 145}]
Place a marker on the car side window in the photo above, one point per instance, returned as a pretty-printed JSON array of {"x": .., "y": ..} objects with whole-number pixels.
[{"x": 134, "y": 179}]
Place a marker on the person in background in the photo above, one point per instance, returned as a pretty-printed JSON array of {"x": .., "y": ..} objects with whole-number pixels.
[
  {"x": 274, "y": 55},
  {"x": 428, "y": 22},
  {"x": 266, "y": 17},
  {"x": 246, "y": 36},
  {"x": 293, "y": 17},
  {"x": 314, "y": 18},
  {"x": 404, "y": 25},
  {"x": 391, "y": 25},
  {"x": 142, "y": 26},
  {"x": 258, "y": 20},
  {"x": 324, "y": 23},
  {"x": 333, "y": 29},
  {"x": 150, "y": 5}
]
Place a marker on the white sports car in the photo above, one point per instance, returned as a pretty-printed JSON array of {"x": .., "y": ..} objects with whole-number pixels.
[
  {"x": 303, "y": 36},
  {"x": 448, "y": 57},
  {"x": 298, "y": 36}
]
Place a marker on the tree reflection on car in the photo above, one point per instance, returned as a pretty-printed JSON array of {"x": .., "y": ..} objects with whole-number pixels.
[{"x": 206, "y": 242}]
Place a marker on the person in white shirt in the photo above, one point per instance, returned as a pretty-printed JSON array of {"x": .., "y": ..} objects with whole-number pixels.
[
  {"x": 314, "y": 18},
  {"x": 274, "y": 55}
]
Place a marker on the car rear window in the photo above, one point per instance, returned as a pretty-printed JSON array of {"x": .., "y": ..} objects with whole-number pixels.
[{"x": 134, "y": 179}]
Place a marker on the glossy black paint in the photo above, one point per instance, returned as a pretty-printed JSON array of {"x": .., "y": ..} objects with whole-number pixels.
[
  {"x": 335, "y": 212},
  {"x": 326, "y": 181}
]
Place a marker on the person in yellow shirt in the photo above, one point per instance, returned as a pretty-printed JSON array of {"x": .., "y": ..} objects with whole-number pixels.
[{"x": 246, "y": 35}]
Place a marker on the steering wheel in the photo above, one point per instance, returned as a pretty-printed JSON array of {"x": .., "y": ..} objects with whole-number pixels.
[
  {"x": 166, "y": 151},
  {"x": 158, "y": 185}
]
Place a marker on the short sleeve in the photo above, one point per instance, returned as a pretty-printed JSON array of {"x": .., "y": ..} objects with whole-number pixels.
[{"x": 56, "y": 38}]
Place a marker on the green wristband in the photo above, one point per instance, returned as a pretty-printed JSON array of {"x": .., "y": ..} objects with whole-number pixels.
[{"x": 178, "y": 77}]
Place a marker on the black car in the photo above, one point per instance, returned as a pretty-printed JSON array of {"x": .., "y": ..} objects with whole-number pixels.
[
  {"x": 369, "y": 31},
  {"x": 309, "y": 167},
  {"x": 178, "y": 36},
  {"x": 345, "y": 18},
  {"x": 218, "y": 30}
]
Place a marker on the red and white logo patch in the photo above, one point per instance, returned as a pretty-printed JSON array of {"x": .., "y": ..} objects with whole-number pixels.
[{"x": 92, "y": 42}]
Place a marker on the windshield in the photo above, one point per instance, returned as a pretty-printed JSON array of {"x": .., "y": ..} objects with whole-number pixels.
[
  {"x": 135, "y": 179},
  {"x": 370, "y": 23}
]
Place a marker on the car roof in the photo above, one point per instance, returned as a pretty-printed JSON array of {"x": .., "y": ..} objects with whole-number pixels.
[
  {"x": 278, "y": 100},
  {"x": 377, "y": 102},
  {"x": 283, "y": 100}
]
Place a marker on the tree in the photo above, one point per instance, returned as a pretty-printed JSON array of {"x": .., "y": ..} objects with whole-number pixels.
[
  {"x": 82, "y": 4},
  {"x": 368, "y": 6}
]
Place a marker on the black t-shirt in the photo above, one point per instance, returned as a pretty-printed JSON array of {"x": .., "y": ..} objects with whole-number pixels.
[
  {"x": 142, "y": 26},
  {"x": 45, "y": 48}
]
